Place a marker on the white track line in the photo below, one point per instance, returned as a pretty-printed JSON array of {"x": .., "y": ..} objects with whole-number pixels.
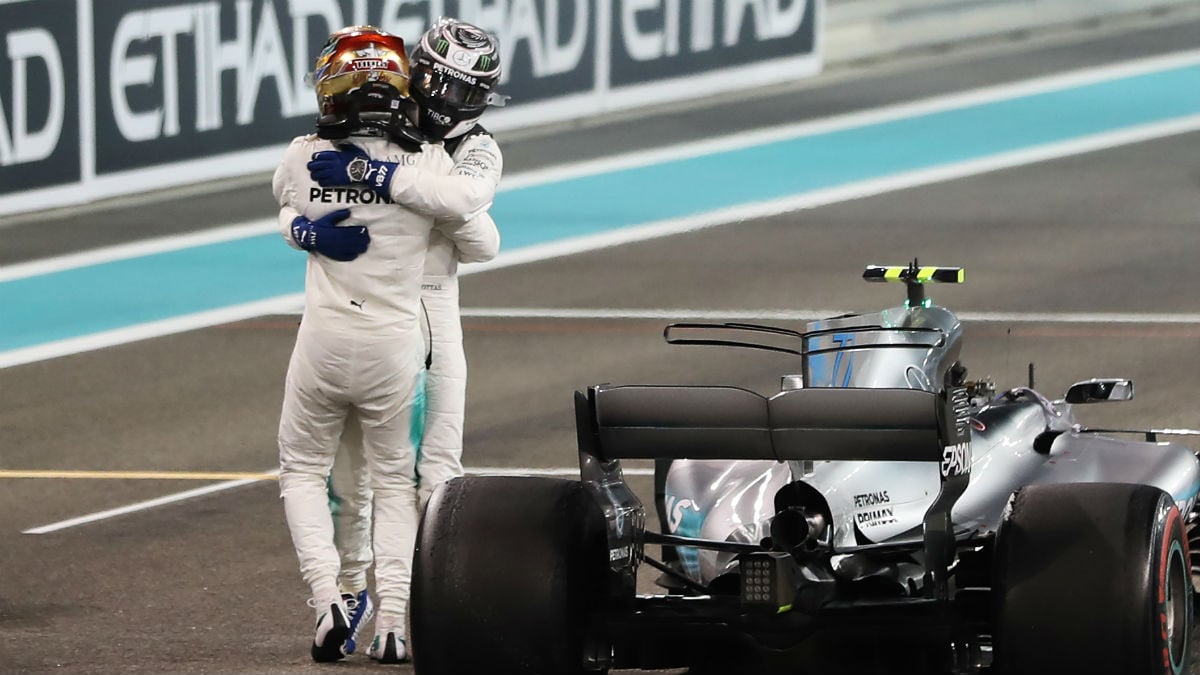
[
  {"x": 143, "y": 506},
  {"x": 852, "y": 120},
  {"x": 1083, "y": 317},
  {"x": 806, "y": 315},
  {"x": 231, "y": 484},
  {"x": 284, "y": 304},
  {"x": 844, "y": 193},
  {"x": 291, "y": 303},
  {"x": 138, "y": 249},
  {"x": 633, "y": 314},
  {"x": 654, "y": 230},
  {"x": 566, "y": 472}
]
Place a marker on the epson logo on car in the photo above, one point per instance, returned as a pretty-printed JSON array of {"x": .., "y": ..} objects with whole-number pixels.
[{"x": 956, "y": 459}]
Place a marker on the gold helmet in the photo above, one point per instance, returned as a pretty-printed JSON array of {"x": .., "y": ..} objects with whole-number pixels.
[{"x": 361, "y": 78}]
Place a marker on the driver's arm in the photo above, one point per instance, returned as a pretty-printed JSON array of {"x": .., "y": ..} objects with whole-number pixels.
[
  {"x": 475, "y": 240},
  {"x": 468, "y": 189}
]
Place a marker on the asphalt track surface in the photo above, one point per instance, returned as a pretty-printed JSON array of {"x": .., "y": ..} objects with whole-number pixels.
[{"x": 210, "y": 585}]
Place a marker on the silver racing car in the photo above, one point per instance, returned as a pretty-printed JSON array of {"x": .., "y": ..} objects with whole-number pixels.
[{"x": 880, "y": 513}]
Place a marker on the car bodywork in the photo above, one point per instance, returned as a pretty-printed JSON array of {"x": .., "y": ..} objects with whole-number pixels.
[{"x": 877, "y": 473}]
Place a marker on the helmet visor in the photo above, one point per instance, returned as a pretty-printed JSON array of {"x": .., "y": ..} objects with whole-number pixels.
[{"x": 450, "y": 88}]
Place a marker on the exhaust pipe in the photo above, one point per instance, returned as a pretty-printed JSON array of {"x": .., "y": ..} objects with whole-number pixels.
[{"x": 798, "y": 531}]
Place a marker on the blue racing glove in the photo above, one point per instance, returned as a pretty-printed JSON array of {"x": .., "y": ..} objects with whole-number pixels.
[
  {"x": 325, "y": 237},
  {"x": 334, "y": 168}
]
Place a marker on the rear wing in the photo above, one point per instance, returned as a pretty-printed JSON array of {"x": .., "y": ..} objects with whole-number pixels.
[
  {"x": 691, "y": 422},
  {"x": 700, "y": 422}
]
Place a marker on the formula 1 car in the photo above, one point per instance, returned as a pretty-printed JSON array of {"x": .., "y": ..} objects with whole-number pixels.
[{"x": 880, "y": 513}]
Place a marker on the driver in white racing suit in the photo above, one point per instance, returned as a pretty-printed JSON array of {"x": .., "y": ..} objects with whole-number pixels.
[
  {"x": 450, "y": 102},
  {"x": 359, "y": 347}
]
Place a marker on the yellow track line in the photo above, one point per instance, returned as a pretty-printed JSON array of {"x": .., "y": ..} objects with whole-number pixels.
[{"x": 141, "y": 475}]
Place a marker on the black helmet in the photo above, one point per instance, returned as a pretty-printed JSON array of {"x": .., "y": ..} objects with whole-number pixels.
[{"x": 455, "y": 70}]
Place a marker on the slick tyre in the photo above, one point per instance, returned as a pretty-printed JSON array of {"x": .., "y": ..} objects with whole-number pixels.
[
  {"x": 1092, "y": 579},
  {"x": 508, "y": 574}
]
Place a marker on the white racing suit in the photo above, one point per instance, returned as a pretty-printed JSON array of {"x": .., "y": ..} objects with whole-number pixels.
[
  {"x": 359, "y": 350},
  {"x": 440, "y": 445}
]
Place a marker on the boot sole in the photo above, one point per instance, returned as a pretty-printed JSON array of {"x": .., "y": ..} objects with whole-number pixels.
[
  {"x": 389, "y": 655},
  {"x": 334, "y": 639}
]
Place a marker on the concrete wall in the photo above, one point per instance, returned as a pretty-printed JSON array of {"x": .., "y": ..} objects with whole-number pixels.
[{"x": 864, "y": 29}]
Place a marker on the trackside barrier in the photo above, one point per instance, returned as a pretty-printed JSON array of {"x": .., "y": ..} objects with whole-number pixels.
[
  {"x": 865, "y": 29},
  {"x": 100, "y": 98}
]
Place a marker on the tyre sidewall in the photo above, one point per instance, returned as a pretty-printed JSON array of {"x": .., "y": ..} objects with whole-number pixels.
[{"x": 1081, "y": 574}]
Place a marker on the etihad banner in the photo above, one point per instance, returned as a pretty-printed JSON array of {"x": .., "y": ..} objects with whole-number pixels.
[
  {"x": 105, "y": 98},
  {"x": 39, "y": 96}
]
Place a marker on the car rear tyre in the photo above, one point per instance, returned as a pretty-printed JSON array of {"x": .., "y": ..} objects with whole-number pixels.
[
  {"x": 508, "y": 574},
  {"x": 1092, "y": 578}
]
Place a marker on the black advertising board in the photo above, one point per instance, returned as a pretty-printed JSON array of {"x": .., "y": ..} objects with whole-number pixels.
[
  {"x": 121, "y": 97},
  {"x": 39, "y": 95},
  {"x": 547, "y": 47},
  {"x": 660, "y": 39},
  {"x": 185, "y": 80}
]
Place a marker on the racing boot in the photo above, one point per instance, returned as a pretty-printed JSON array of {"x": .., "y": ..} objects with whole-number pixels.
[
  {"x": 388, "y": 646},
  {"x": 333, "y": 627},
  {"x": 361, "y": 609}
]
